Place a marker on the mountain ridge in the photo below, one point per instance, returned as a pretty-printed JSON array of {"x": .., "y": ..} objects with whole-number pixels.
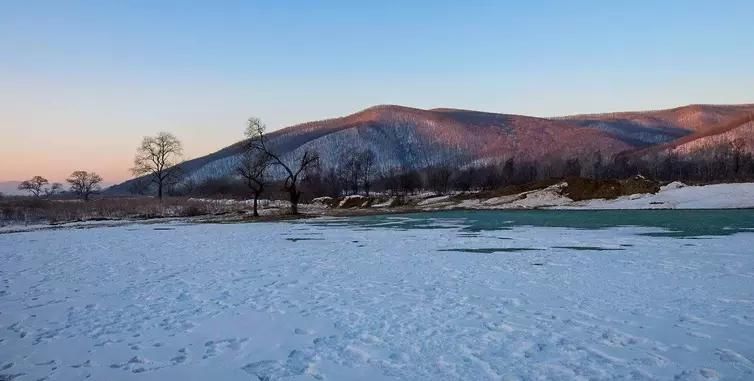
[{"x": 407, "y": 138}]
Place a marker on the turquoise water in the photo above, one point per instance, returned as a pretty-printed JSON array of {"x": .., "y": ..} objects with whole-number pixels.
[{"x": 669, "y": 223}]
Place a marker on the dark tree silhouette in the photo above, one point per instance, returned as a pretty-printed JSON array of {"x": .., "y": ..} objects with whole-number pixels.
[
  {"x": 158, "y": 157},
  {"x": 35, "y": 185},
  {"x": 253, "y": 169},
  {"x": 294, "y": 171},
  {"x": 54, "y": 189},
  {"x": 84, "y": 183},
  {"x": 366, "y": 159}
]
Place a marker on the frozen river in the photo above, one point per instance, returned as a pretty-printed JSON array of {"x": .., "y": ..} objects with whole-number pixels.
[{"x": 537, "y": 295}]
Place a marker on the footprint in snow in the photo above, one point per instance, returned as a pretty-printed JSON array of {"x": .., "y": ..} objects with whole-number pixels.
[
  {"x": 704, "y": 374},
  {"x": 300, "y": 331},
  {"x": 181, "y": 357},
  {"x": 213, "y": 348}
]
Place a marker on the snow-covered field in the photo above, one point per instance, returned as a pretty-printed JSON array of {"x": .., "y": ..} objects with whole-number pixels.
[{"x": 429, "y": 300}]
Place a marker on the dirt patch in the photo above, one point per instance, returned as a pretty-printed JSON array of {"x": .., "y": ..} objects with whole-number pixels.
[{"x": 579, "y": 189}]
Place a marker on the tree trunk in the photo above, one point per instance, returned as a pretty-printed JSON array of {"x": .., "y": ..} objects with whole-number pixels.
[
  {"x": 159, "y": 190},
  {"x": 294, "y": 196},
  {"x": 256, "y": 197}
]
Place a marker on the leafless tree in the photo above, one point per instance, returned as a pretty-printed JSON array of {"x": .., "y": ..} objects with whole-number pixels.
[
  {"x": 35, "y": 185},
  {"x": 388, "y": 178},
  {"x": 253, "y": 169},
  {"x": 187, "y": 187},
  {"x": 366, "y": 159},
  {"x": 158, "y": 157},
  {"x": 439, "y": 178},
  {"x": 84, "y": 183},
  {"x": 139, "y": 186},
  {"x": 409, "y": 181},
  {"x": 294, "y": 171},
  {"x": 54, "y": 189},
  {"x": 350, "y": 170},
  {"x": 356, "y": 170}
]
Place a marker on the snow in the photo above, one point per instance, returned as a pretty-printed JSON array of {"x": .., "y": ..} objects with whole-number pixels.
[
  {"x": 324, "y": 200},
  {"x": 262, "y": 203},
  {"x": 309, "y": 300},
  {"x": 673, "y": 185},
  {"x": 20, "y": 227},
  {"x": 540, "y": 198},
  {"x": 434, "y": 200},
  {"x": 679, "y": 196},
  {"x": 354, "y": 200},
  {"x": 675, "y": 195},
  {"x": 391, "y": 202}
]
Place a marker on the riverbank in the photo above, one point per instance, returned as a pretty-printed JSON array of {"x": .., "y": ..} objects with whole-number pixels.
[{"x": 556, "y": 196}]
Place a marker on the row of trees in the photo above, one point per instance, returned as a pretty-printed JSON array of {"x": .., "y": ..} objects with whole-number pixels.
[
  {"x": 262, "y": 162},
  {"x": 157, "y": 163},
  {"x": 718, "y": 163},
  {"x": 262, "y": 166},
  {"x": 156, "y": 158},
  {"x": 81, "y": 183}
]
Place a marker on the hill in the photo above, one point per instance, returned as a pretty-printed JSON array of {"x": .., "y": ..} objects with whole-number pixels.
[{"x": 407, "y": 138}]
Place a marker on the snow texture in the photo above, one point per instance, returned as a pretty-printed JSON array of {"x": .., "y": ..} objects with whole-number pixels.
[
  {"x": 301, "y": 301},
  {"x": 675, "y": 195},
  {"x": 678, "y": 196}
]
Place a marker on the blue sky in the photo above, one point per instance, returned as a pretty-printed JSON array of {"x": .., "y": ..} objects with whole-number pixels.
[{"x": 87, "y": 79}]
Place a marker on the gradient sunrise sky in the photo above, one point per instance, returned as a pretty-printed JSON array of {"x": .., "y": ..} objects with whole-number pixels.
[{"x": 82, "y": 81}]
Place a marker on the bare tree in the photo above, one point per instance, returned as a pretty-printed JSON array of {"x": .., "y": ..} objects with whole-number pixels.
[
  {"x": 356, "y": 170},
  {"x": 253, "y": 169},
  {"x": 350, "y": 170},
  {"x": 54, "y": 189},
  {"x": 389, "y": 179},
  {"x": 139, "y": 186},
  {"x": 439, "y": 178},
  {"x": 509, "y": 171},
  {"x": 464, "y": 180},
  {"x": 158, "y": 157},
  {"x": 84, "y": 183},
  {"x": 35, "y": 185},
  {"x": 366, "y": 159},
  {"x": 294, "y": 172}
]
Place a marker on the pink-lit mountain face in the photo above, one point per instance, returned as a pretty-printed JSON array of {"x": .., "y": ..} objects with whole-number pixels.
[{"x": 404, "y": 138}]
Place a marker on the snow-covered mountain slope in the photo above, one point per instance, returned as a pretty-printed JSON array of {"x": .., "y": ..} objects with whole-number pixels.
[{"x": 408, "y": 138}]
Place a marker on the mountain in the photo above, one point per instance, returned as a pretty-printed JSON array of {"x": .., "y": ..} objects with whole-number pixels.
[
  {"x": 9, "y": 188},
  {"x": 691, "y": 127},
  {"x": 410, "y": 138}
]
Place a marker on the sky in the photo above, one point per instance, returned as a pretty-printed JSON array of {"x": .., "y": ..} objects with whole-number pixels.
[{"x": 81, "y": 82}]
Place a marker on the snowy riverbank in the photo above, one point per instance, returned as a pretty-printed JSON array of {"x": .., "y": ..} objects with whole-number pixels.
[
  {"x": 679, "y": 196},
  {"x": 672, "y": 196}
]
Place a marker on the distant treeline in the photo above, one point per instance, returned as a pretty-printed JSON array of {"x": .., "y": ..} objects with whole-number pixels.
[{"x": 357, "y": 174}]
